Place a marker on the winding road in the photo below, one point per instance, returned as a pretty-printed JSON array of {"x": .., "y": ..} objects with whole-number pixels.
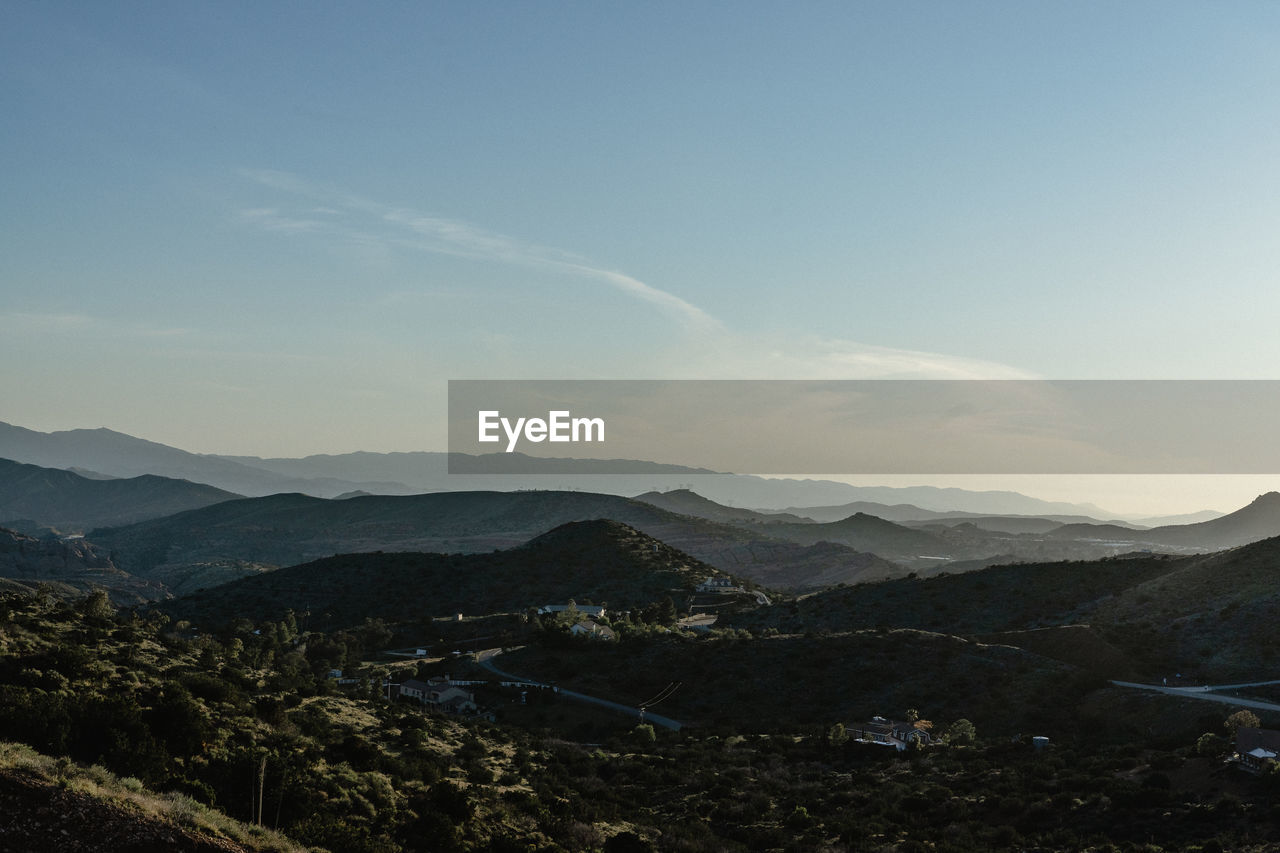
[
  {"x": 485, "y": 659},
  {"x": 1206, "y": 693}
]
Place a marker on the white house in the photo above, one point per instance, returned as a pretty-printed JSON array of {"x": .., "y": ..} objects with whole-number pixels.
[
  {"x": 441, "y": 694},
  {"x": 718, "y": 584},
  {"x": 593, "y": 630},
  {"x": 897, "y": 734}
]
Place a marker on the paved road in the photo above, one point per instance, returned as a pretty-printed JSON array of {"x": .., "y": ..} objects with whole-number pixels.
[
  {"x": 485, "y": 659},
  {"x": 1202, "y": 693}
]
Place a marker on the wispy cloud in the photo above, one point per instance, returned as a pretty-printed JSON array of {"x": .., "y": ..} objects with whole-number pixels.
[
  {"x": 57, "y": 322},
  {"x": 364, "y": 220},
  {"x": 271, "y": 219},
  {"x": 779, "y": 355},
  {"x": 710, "y": 350}
]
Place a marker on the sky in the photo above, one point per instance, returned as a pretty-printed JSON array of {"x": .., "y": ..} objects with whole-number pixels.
[{"x": 280, "y": 228}]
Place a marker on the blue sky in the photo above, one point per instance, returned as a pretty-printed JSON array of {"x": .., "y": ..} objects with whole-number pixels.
[{"x": 279, "y": 228}]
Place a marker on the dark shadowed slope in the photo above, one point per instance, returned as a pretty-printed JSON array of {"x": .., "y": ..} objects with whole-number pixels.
[
  {"x": 604, "y": 562},
  {"x": 71, "y": 566},
  {"x": 289, "y": 529},
  {"x": 1215, "y": 617},
  {"x": 71, "y": 503}
]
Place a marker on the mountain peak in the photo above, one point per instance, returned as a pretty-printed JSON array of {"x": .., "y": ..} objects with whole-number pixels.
[{"x": 575, "y": 534}]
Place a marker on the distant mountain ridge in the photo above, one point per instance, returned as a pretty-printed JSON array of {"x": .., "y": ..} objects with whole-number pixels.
[
  {"x": 905, "y": 512},
  {"x": 689, "y": 502},
  {"x": 115, "y": 454},
  {"x": 1258, "y": 520}
]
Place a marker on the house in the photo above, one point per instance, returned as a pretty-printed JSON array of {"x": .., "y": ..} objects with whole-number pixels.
[
  {"x": 593, "y": 630},
  {"x": 898, "y": 734},
  {"x": 591, "y": 611},
  {"x": 1257, "y": 749},
  {"x": 441, "y": 694},
  {"x": 715, "y": 584}
]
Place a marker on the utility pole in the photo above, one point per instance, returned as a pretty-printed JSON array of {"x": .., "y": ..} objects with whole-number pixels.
[{"x": 262, "y": 775}]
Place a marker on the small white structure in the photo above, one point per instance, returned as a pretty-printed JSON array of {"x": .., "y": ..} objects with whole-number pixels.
[
  {"x": 591, "y": 611},
  {"x": 718, "y": 584}
]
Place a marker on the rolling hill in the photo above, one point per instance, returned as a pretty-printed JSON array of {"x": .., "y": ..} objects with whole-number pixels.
[
  {"x": 284, "y": 530},
  {"x": 1213, "y": 616},
  {"x": 71, "y": 566},
  {"x": 71, "y": 503},
  {"x": 1259, "y": 520},
  {"x": 588, "y": 561}
]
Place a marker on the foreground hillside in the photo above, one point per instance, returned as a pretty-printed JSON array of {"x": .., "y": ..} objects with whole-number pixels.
[
  {"x": 218, "y": 717},
  {"x": 53, "y": 804},
  {"x": 791, "y": 682}
]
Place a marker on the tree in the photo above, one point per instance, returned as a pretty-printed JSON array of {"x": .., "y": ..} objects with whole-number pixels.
[
  {"x": 1241, "y": 719},
  {"x": 1209, "y": 744},
  {"x": 961, "y": 732},
  {"x": 97, "y": 605},
  {"x": 666, "y": 611}
]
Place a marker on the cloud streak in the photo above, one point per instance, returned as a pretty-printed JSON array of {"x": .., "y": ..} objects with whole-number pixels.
[
  {"x": 440, "y": 235},
  {"x": 710, "y": 349},
  {"x": 54, "y": 323}
]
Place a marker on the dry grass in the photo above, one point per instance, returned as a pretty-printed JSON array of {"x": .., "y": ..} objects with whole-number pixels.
[{"x": 177, "y": 809}]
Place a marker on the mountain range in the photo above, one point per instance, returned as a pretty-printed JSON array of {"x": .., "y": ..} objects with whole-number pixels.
[
  {"x": 244, "y": 536},
  {"x": 115, "y": 454}
]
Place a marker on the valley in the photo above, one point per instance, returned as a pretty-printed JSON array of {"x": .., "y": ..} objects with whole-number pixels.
[{"x": 655, "y": 673}]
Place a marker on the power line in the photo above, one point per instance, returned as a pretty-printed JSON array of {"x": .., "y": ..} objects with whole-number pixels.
[{"x": 663, "y": 694}]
